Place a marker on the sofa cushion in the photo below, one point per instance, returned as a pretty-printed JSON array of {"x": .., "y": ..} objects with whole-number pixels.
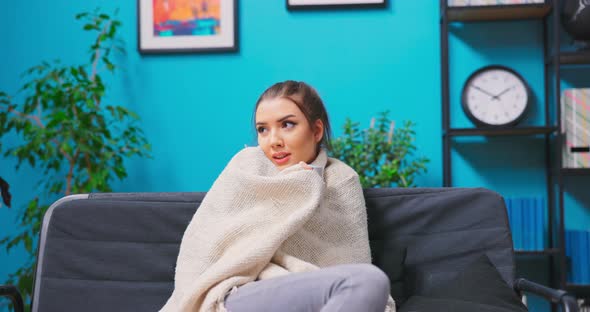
[
  {"x": 393, "y": 265},
  {"x": 479, "y": 287}
]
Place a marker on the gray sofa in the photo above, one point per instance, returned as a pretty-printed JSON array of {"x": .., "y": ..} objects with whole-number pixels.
[{"x": 117, "y": 251}]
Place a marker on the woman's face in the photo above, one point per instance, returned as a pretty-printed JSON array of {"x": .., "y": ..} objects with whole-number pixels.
[{"x": 284, "y": 134}]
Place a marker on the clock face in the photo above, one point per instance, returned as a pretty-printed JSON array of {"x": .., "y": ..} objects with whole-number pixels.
[{"x": 495, "y": 96}]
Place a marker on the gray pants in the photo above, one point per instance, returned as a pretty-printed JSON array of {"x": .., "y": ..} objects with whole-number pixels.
[{"x": 349, "y": 287}]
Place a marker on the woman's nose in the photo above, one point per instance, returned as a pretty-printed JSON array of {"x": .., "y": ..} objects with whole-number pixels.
[{"x": 276, "y": 139}]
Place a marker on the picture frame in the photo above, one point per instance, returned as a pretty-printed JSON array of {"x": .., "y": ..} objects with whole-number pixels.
[
  {"x": 293, "y": 5},
  {"x": 187, "y": 26}
]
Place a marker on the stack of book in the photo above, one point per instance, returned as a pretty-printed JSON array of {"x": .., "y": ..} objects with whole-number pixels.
[
  {"x": 577, "y": 250},
  {"x": 528, "y": 222}
]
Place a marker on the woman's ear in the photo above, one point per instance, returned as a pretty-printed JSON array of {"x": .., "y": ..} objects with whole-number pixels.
[{"x": 318, "y": 132}]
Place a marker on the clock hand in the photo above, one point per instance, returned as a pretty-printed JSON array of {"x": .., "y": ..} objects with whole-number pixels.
[
  {"x": 497, "y": 97},
  {"x": 484, "y": 91}
]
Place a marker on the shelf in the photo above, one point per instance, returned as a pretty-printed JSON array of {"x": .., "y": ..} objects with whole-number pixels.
[
  {"x": 575, "y": 171},
  {"x": 546, "y": 252},
  {"x": 580, "y": 291},
  {"x": 516, "y": 131},
  {"x": 497, "y": 12},
  {"x": 572, "y": 58},
  {"x": 578, "y": 57}
]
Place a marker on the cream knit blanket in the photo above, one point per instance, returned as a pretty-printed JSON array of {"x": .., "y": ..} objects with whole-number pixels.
[{"x": 257, "y": 222}]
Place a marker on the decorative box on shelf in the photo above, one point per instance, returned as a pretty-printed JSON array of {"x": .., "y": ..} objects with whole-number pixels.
[
  {"x": 575, "y": 127},
  {"x": 461, "y": 3}
]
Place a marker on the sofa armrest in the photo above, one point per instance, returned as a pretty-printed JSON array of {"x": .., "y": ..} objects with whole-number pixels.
[
  {"x": 567, "y": 301},
  {"x": 14, "y": 295}
]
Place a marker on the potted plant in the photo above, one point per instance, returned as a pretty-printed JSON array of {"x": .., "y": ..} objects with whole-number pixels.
[
  {"x": 76, "y": 141},
  {"x": 381, "y": 155}
]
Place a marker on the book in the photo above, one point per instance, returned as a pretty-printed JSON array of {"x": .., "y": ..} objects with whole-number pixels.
[
  {"x": 527, "y": 224},
  {"x": 576, "y": 263},
  {"x": 517, "y": 217},
  {"x": 568, "y": 256},
  {"x": 536, "y": 228},
  {"x": 584, "y": 257}
]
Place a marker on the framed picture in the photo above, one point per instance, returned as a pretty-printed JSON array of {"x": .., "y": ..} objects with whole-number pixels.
[
  {"x": 184, "y": 26},
  {"x": 334, "y": 4}
]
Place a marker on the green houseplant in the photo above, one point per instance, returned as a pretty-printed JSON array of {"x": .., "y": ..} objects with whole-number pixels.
[
  {"x": 68, "y": 134},
  {"x": 381, "y": 154}
]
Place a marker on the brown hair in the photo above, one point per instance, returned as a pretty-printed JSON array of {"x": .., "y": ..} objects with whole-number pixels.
[{"x": 307, "y": 100}]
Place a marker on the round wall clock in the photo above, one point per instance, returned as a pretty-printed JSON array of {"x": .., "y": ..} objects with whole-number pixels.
[{"x": 495, "y": 96}]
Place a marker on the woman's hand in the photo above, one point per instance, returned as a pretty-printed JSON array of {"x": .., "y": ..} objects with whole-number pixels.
[
  {"x": 305, "y": 166},
  {"x": 319, "y": 170}
]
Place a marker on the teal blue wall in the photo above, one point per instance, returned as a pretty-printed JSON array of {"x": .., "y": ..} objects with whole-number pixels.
[{"x": 196, "y": 108}]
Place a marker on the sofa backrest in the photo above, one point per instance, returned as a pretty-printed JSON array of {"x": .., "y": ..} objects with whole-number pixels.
[
  {"x": 117, "y": 251},
  {"x": 442, "y": 230}
]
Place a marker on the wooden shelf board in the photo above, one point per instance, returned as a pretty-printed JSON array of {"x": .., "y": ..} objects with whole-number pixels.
[
  {"x": 515, "y": 131},
  {"x": 575, "y": 171},
  {"x": 546, "y": 252},
  {"x": 575, "y": 58},
  {"x": 571, "y": 58},
  {"x": 580, "y": 291},
  {"x": 497, "y": 12}
]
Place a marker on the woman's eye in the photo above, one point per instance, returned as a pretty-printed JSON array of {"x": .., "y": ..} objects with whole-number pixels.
[
  {"x": 261, "y": 129},
  {"x": 288, "y": 124}
]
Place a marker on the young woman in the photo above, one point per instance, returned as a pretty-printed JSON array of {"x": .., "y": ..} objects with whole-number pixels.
[{"x": 284, "y": 226}]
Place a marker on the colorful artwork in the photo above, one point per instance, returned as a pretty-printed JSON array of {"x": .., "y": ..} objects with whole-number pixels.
[
  {"x": 170, "y": 26},
  {"x": 186, "y": 17}
]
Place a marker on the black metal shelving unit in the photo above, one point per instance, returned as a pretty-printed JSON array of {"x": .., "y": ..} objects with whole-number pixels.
[
  {"x": 558, "y": 60},
  {"x": 555, "y": 59},
  {"x": 549, "y": 129}
]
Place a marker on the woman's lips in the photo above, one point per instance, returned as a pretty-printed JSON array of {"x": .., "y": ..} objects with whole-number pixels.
[{"x": 284, "y": 160}]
